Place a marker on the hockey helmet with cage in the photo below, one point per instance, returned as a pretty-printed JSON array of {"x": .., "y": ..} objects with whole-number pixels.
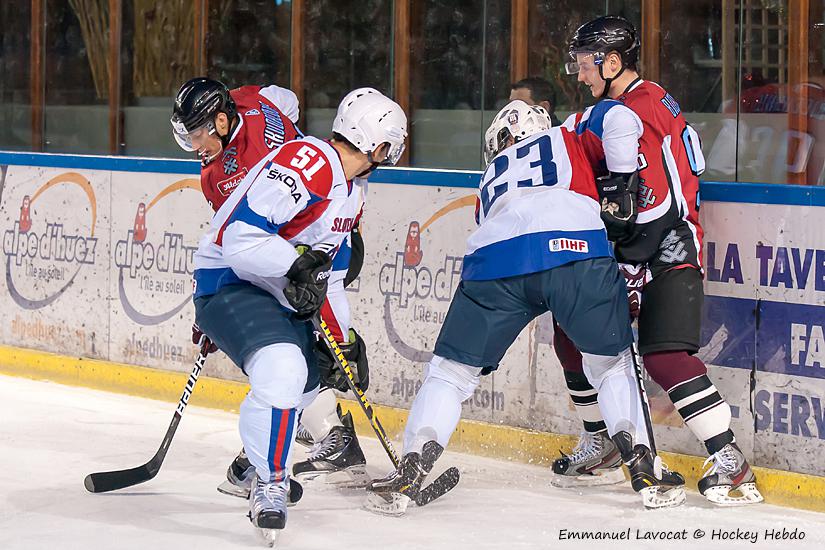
[
  {"x": 516, "y": 120},
  {"x": 367, "y": 119},
  {"x": 601, "y": 36},
  {"x": 197, "y": 104}
]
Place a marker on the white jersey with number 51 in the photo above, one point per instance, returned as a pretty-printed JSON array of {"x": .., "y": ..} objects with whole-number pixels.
[{"x": 537, "y": 208}]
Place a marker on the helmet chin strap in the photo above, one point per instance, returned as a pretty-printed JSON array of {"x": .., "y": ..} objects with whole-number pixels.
[{"x": 608, "y": 82}]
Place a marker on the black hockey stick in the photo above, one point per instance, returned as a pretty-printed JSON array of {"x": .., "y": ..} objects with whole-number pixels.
[
  {"x": 443, "y": 483},
  {"x": 102, "y": 482},
  {"x": 637, "y": 369}
]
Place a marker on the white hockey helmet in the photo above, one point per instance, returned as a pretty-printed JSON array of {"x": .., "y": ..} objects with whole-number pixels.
[
  {"x": 516, "y": 120},
  {"x": 368, "y": 118}
]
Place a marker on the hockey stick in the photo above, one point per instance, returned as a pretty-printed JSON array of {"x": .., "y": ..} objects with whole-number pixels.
[
  {"x": 440, "y": 485},
  {"x": 637, "y": 369},
  {"x": 102, "y": 482}
]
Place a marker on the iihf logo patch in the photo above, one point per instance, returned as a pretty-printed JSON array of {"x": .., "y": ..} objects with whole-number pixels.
[{"x": 571, "y": 245}]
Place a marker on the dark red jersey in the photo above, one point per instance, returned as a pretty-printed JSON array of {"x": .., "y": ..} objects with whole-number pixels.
[
  {"x": 668, "y": 233},
  {"x": 267, "y": 118}
]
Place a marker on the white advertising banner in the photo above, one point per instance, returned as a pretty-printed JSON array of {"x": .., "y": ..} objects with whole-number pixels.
[{"x": 98, "y": 264}]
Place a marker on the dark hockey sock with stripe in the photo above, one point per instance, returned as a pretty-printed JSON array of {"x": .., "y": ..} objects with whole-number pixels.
[
  {"x": 704, "y": 411},
  {"x": 690, "y": 390},
  {"x": 586, "y": 400}
]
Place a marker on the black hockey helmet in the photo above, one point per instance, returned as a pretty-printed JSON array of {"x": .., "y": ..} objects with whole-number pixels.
[
  {"x": 197, "y": 104},
  {"x": 609, "y": 33}
]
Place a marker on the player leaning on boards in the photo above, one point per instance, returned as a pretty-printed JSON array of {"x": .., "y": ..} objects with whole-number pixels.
[
  {"x": 241, "y": 126},
  {"x": 664, "y": 243},
  {"x": 540, "y": 246},
  {"x": 254, "y": 292}
]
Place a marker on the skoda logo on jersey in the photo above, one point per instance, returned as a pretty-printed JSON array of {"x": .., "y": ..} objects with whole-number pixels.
[
  {"x": 49, "y": 244},
  {"x": 416, "y": 291},
  {"x": 154, "y": 263}
]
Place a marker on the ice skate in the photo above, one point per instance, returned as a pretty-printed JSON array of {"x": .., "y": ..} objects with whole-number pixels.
[
  {"x": 649, "y": 476},
  {"x": 267, "y": 508},
  {"x": 729, "y": 472},
  {"x": 239, "y": 478},
  {"x": 595, "y": 461},
  {"x": 392, "y": 494},
  {"x": 336, "y": 460},
  {"x": 302, "y": 436}
]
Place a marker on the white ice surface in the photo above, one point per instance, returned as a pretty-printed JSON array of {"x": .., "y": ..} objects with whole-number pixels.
[{"x": 51, "y": 436}]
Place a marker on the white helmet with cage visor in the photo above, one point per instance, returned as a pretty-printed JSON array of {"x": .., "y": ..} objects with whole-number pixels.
[
  {"x": 517, "y": 120},
  {"x": 367, "y": 119}
]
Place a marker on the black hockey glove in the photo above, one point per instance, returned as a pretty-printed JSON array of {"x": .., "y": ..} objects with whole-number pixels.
[
  {"x": 618, "y": 197},
  {"x": 355, "y": 352},
  {"x": 308, "y": 278},
  {"x": 356, "y": 261}
]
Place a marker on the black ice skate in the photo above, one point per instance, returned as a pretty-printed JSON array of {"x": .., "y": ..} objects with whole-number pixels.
[
  {"x": 267, "y": 508},
  {"x": 239, "y": 478},
  {"x": 595, "y": 461},
  {"x": 392, "y": 494},
  {"x": 336, "y": 460},
  {"x": 729, "y": 472},
  {"x": 302, "y": 436},
  {"x": 658, "y": 486}
]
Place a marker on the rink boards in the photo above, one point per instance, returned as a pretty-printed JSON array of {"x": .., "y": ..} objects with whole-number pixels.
[{"x": 98, "y": 263}]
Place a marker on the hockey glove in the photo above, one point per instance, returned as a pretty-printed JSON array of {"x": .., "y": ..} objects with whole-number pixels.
[
  {"x": 196, "y": 339},
  {"x": 308, "y": 278},
  {"x": 635, "y": 277},
  {"x": 355, "y": 352},
  {"x": 619, "y": 210}
]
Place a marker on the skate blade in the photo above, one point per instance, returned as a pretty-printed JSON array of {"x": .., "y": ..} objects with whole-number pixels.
[
  {"x": 721, "y": 495},
  {"x": 354, "y": 477},
  {"x": 269, "y": 536},
  {"x": 597, "y": 478},
  {"x": 378, "y": 505},
  {"x": 654, "y": 497},
  {"x": 233, "y": 490}
]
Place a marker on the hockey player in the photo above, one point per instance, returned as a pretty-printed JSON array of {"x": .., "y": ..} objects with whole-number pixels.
[
  {"x": 241, "y": 126},
  {"x": 254, "y": 291},
  {"x": 540, "y": 246},
  {"x": 662, "y": 252}
]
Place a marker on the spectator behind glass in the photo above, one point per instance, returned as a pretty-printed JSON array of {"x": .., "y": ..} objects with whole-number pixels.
[{"x": 536, "y": 91}]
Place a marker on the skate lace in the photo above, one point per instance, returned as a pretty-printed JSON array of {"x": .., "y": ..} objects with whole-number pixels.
[
  {"x": 325, "y": 447},
  {"x": 589, "y": 446},
  {"x": 723, "y": 461}
]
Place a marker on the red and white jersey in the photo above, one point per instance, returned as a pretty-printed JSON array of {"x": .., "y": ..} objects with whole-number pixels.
[
  {"x": 297, "y": 194},
  {"x": 537, "y": 208},
  {"x": 667, "y": 234},
  {"x": 266, "y": 120}
]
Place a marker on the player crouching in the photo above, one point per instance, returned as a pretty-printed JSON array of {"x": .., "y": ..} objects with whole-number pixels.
[
  {"x": 255, "y": 293},
  {"x": 540, "y": 246}
]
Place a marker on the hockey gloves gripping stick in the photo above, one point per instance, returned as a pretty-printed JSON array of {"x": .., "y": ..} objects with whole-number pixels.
[{"x": 102, "y": 482}]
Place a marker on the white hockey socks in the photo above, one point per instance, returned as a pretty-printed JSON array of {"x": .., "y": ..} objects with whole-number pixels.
[
  {"x": 619, "y": 399},
  {"x": 321, "y": 415},
  {"x": 437, "y": 407}
]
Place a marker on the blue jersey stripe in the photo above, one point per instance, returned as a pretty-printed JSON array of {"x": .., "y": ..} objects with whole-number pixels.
[{"x": 534, "y": 252}]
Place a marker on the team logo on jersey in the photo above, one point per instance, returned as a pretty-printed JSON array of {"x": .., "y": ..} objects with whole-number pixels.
[
  {"x": 230, "y": 163},
  {"x": 569, "y": 245},
  {"x": 225, "y": 187},
  {"x": 252, "y": 112},
  {"x": 342, "y": 225},
  {"x": 646, "y": 196}
]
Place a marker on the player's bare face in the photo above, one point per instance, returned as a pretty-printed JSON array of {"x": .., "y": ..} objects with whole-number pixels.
[{"x": 589, "y": 74}]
